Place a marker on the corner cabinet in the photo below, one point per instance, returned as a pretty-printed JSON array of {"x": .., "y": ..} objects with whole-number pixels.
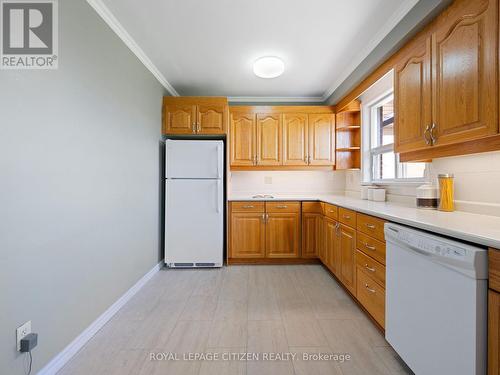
[
  {"x": 195, "y": 115},
  {"x": 446, "y": 84}
]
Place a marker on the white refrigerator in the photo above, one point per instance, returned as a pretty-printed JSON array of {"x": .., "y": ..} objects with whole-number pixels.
[{"x": 194, "y": 203}]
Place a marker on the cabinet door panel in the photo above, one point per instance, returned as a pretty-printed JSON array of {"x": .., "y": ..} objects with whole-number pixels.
[
  {"x": 247, "y": 235},
  {"x": 348, "y": 257},
  {"x": 310, "y": 235},
  {"x": 243, "y": 139},
  {"x": 212, "y": 118},
  {"x": 269, "y": 139},
  {"x": 412, "y": 97},
  {"x": 321, "y": 131},
  {"x": 180, "y": 118},
  {"x": 493, "y": 333},
  {"x": 465, "y": 72},
  {"x": 332, "y": 260},
  {"x": 295, "y": 140},
  {"x": 283, "y": 235}
]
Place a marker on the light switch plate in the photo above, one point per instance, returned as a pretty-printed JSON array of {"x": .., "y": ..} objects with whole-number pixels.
[
  {"x": 268, "y": 180},
  {"x": 22, "y": 332}
]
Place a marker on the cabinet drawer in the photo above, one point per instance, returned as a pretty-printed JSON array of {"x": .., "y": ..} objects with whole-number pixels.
[
  {"x": 372, "y": 296},
  {"x": 371, "y": 225},
  {"x": 282, "y": 206},
  {"x": 330, "y": 211},
  {"x": 494, "y": 269},
  {"x": 371, "y": 267},
  {"x": 312, "y": 207},
  {"x": 347, "y": 217},
  {"x": 247, "y": 206},
  {"x": 371, "y": 247}
]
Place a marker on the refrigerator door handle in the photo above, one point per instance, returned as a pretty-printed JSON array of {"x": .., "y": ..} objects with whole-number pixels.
[
  {"x": 217, "y": 196},
  {"x": 219, "y": 174}
]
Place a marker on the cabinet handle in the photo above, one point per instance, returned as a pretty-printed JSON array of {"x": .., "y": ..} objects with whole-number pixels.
[
  {"x": 283, "y": 206},
  {"x": 370, "y": 247},
  {"x": 431, "y": 132},
  {"x": 347, "y": 217},
  {"x": 370, "y": 226},
  {"x": 267, "y": 218},
  {"x": 369, "y": 289},
  {"x": 331, "y": 211},
  {"x": 264, "y": 218},
  {"x": 369, "y": 269},
  {"x": 426, "y": 132},
  {"x": 194, "y": 127},
  {"x": 249, "y": 206}
]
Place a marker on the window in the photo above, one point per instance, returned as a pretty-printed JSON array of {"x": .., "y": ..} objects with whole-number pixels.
[{"x": 384, "y": 166}]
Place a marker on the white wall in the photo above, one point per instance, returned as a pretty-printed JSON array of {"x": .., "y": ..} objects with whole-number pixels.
[
  {"x": 79, "y": 186},
  {"x": 287, "y": 182}
]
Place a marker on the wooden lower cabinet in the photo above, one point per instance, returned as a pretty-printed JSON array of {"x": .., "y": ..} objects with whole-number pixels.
[
  {"x": 347, "y": 248},
  {"x": 311, "y": 238},
  {"x": 493, "y": 332},
  {"x": 282, "y": 234},
  {"x": 247, "y": 235},
  {"x": 372, "y": 296},
  {"x": 332, "y": 248},
  {"x": 259, "y": 230}
]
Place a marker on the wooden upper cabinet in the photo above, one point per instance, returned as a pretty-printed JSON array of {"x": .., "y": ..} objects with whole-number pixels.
[
  {"x": 247, "y": 235},
  {"x": 243, "y": 139},
  {"x": 212, "y": 118},
  {"x": 295, "y": 139},
  {"x": 412, "y": 97},
  {"x": 179, "y": 118},
  {"x": 465, "y": 71},
  {"x": 321, "y": 129},
  {"x": 347, "y": 248},
  {"x": 195, "y": 115},
  {"x": 269, "y": 139}
]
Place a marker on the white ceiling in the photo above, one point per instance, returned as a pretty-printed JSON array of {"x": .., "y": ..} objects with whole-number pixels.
[{"x": 207, "y": 47}]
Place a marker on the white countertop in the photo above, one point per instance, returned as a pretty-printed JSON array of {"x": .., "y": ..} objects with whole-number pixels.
[{"x": 475, "y": 228}]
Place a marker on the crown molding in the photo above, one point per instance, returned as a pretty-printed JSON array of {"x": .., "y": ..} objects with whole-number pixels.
[
  {"x": 403, "y": 10},
  {"x": 275, "y": 99},
  {"x": 108, "y": 17}
]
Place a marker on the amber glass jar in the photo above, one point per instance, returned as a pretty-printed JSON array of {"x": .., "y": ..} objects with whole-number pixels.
[{"x": 446, "y": 193}]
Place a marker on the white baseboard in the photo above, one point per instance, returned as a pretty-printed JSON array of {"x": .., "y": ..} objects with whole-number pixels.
[{"x": 69, "y": 351}]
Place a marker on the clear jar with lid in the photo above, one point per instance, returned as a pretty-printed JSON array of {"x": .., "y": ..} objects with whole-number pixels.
[{"x": 446, "y": 192}]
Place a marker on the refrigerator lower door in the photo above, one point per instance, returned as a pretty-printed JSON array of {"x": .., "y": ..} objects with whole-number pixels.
[
  {"x": 194, "y": 159},
  {"x": 194, "y": 223}
]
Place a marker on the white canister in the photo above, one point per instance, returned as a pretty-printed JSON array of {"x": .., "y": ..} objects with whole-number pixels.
[
  {"x": 376, "y": 194},
  {"x": 364, "y": 191}
]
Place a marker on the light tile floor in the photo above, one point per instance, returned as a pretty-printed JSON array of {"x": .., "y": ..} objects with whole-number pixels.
[{"x": 238, "y": 309}]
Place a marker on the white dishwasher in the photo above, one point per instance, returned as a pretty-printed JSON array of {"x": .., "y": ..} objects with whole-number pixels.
[{"x": 436, "y": 302}]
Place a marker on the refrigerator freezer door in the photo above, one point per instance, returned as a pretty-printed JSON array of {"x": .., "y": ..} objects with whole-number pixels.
[
  {"x": 194, "y": 222},
  {"x": 194, "y": 159}
]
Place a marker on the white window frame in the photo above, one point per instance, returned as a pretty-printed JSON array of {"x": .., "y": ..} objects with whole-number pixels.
[{"x": 368, "y": 112}]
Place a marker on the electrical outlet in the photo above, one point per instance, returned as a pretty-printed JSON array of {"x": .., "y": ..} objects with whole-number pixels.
[
  {"x": 22, "y": 332},
  {"x": 268, "y": 180}
]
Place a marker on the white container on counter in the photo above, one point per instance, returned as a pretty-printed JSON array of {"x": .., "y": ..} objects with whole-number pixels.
[
  {"x": 364, "y": 191},
  {"x": 376, "y": 194}
]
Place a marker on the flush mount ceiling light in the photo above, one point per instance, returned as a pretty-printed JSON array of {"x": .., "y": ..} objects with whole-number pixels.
[{"x": 268, "y": 67}]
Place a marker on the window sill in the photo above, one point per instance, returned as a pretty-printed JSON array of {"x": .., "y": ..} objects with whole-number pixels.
[{"x": 414, "y": 183}]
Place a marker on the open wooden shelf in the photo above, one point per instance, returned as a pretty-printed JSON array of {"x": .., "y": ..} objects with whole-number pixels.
[{"x": 348, "y": 136}]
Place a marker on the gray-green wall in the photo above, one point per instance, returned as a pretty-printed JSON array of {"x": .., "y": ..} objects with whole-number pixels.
[{"x": 79, "y": 185}]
